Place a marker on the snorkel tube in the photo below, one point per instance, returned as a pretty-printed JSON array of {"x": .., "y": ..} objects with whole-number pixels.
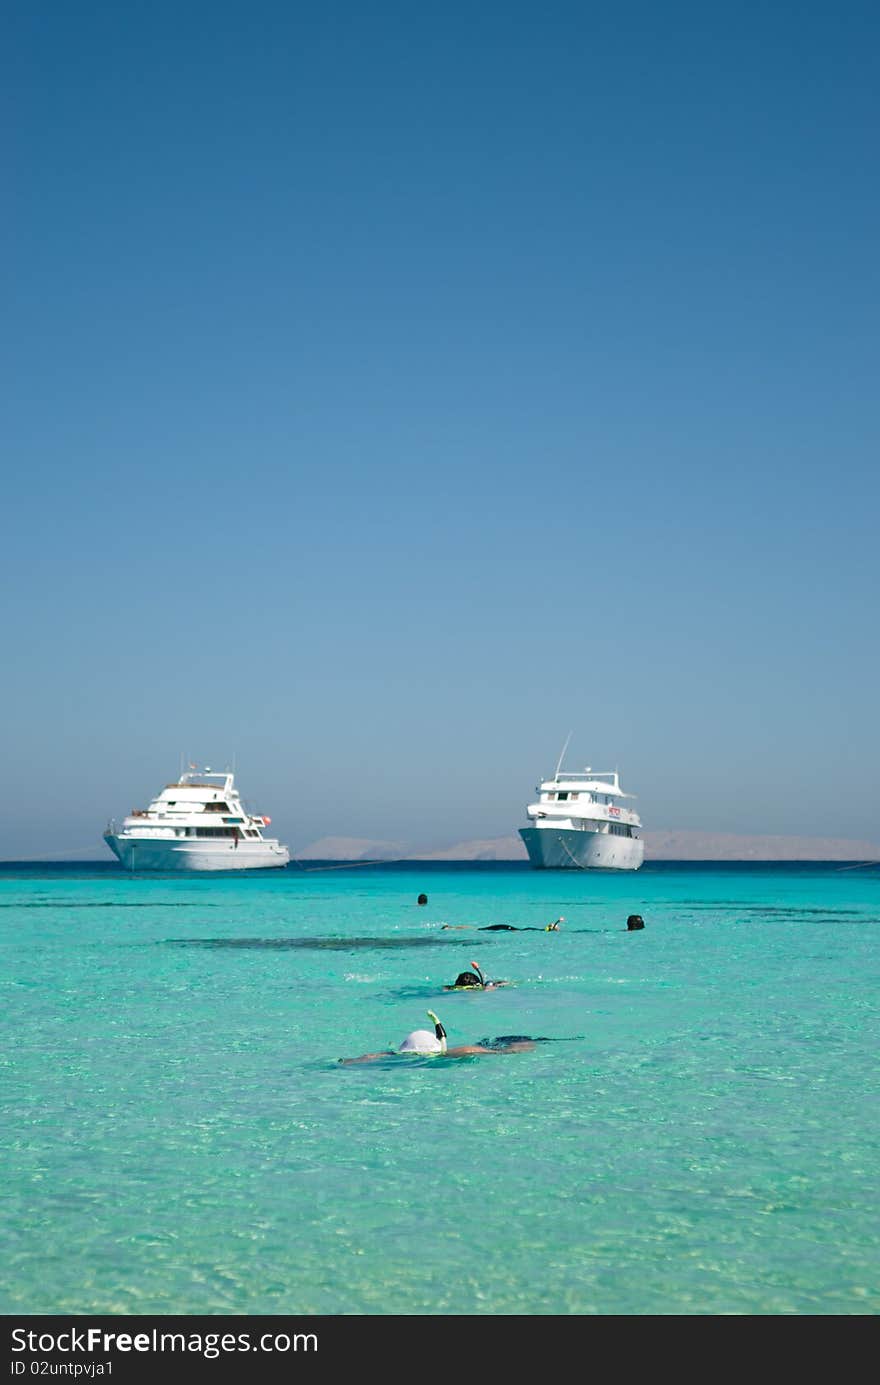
[
  {"x": 439, "y": 1031},
  {"x": 479, "y": 972}
]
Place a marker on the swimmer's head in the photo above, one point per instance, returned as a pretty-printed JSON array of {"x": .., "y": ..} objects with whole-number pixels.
[
  {"x": 467, "y": 978},
  {"x": 423, "y": 1041},
  {"x": 634, "y": 922}
]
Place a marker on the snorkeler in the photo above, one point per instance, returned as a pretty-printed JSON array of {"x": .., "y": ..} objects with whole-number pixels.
[
  {"x": 422, "y": 1043},
  {"x": 469, "y": 981},
  {"x": 634, "y": 922},
  {"x": 510, "y": 927}
]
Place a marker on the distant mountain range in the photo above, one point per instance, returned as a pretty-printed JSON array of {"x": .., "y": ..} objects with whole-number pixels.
[{"x": 659, "y": 846}]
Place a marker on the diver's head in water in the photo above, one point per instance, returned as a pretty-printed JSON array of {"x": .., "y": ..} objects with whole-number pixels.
[
  {"x": 422, "y": 899},
  {"x": 467, "y": 978},
  {"x": 634, "y": 921},
  {"x": 472, "y": 978},
  {"x": 423, "y": 1041}
]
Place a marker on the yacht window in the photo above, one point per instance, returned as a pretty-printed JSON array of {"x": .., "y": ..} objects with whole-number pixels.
[
  {"x": 216, "y": 807},
  {"x": 562, "y": 797}
]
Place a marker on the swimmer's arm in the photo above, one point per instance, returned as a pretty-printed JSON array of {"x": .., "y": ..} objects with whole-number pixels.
[{"x": 368, "y": 1057}]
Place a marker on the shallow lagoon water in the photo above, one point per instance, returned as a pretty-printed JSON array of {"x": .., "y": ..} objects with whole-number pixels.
[{"x": 180, "y": 1137}]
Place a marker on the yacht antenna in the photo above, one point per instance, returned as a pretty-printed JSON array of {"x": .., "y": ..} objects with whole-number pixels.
[{"x": 562, "y": 756}]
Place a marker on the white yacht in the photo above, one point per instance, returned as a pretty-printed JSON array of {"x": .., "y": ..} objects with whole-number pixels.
[
  {"x": 580, "y": 823},
  {"x": 198, "y": 823}
]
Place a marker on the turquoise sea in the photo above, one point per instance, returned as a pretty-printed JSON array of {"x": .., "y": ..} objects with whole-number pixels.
[{"x": 180, "y": 1138}]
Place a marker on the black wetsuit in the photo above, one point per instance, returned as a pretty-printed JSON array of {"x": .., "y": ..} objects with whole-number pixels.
[{"x": 511, "y": 928}]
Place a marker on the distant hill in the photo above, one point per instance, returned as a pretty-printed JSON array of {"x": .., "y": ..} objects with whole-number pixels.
[
  {"x": 352, "y": 849},
  {"x": 659, "y": 846},
  {"x": 729, "y": 846}
]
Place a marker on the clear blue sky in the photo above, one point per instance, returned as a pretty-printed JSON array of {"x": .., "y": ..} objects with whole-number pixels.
[{"x": 392, "y": 389}]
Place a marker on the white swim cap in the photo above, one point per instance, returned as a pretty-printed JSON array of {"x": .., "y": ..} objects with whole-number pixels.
[{"x": 421, "y": 1041}]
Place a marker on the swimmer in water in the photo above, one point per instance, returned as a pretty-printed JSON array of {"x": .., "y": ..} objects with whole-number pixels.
[
  {"x": 634, "y": 922},
  {"x": 468, "y": 981},
  {"x": 510, "y": 927},
  {"x": 422, "y": 1043}
]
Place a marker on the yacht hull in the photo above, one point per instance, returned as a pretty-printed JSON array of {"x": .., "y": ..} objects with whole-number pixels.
[
  {"x": 140, "y": 854},
  {"x": 559, "y": 848}
]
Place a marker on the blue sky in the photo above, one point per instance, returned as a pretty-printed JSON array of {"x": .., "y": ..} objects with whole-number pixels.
[{"x": 391, "y": 390}]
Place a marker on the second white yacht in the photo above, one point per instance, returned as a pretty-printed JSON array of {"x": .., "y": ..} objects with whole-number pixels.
[
  {"x": 579, "y": 823},
  {"x": 197, "y": 823}
]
